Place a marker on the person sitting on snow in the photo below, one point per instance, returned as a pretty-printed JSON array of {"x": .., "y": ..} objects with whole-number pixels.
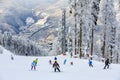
[
  {"x": 56, "y": 66},
  {"x": 34, "y": 64}
]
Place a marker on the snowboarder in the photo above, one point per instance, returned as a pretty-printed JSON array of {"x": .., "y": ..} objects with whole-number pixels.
[
  {"x": 107, "y": 63},
  {"x": 65, "y": 61},
  {"x": 34, "y": 64},
  {"x": 90, "y": 63},
  {"x": 56, "y": 66}
]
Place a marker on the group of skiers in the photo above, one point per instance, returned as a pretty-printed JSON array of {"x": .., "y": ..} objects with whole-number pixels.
[{"x": 56, "y": 66}]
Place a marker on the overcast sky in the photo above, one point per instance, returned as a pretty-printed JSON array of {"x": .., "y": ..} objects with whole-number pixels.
[{"x": 28, "y": 3}]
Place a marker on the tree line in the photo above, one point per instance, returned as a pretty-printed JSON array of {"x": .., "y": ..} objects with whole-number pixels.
[{"x": 20, "y": 46}]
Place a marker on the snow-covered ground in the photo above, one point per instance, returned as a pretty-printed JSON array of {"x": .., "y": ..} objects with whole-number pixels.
[{"x": 19, "y": 69}]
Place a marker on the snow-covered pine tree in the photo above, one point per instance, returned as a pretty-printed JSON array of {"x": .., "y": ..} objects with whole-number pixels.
[
  {"x": 80, "y": 27},
  {"x": 73, "y": 10},
  {"x": 84, "y": 25},
  {"x": 55, "y": 48},
  {"x": 1, "y": 37},
  {"x": 80, "y": 9},
  {"x": 108, "y": 21},
  {"x": 117, "y": 7},
  {"x": 1, "y": 50},
  {"x": 94, "y": 13},
  {"x": 19, "y": 46}
]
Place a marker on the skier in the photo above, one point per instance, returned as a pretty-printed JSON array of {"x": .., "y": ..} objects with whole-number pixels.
[
  {"x": 34, "y": 64},
  {"x": 36, "y": 61},
  {"x": 65, "y": 61},
  {"x": 56, "y": 66},
  {"x": 90, "y": 63},
  {"x": 71, "y": 63},
  {"x": 107, "y": 63},
  {"x": 50, "y": 62},
  {"x": 12, "y": 58}
]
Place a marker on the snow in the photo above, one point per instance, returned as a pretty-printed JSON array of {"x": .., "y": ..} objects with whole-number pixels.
[{"x": 19, "y": 69}]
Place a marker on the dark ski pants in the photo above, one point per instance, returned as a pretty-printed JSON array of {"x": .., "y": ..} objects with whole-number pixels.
[
  {"x": 106, "y": 66},
  {"x": 90, "y": 65},
  {"x": 33, "y": 67},
  {"x": 56, "y": 69}
]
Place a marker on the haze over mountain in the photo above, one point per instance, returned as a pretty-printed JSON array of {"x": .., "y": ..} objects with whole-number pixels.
[{"x": 15, "y": 13}]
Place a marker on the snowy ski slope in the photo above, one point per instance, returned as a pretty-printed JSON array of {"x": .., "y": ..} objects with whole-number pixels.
[{"x": 19, "y": 69}]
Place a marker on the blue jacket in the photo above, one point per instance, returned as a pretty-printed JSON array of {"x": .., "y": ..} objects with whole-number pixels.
[
  {"x": 90, "y": 62},
  {"x": 33, "y": 64},
  {"x": 65, "y": 61}
]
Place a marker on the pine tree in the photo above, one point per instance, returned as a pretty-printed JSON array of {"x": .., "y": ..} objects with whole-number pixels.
[
  {"x": 80, "y": 9},
  {"x": 94, "y": 12},
  {"x": 108, "y": 20}
]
